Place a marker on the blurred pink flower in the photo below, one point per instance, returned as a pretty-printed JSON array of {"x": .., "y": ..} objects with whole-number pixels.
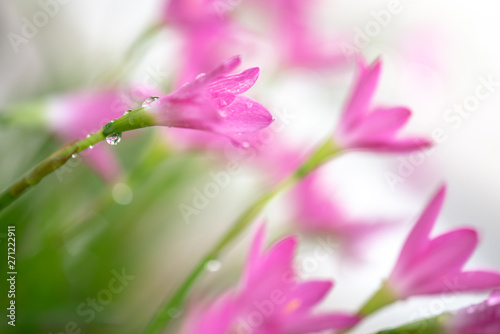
[
  {"x": 208, "y": 35},
  {"x": 213, "y": 102},
  {"x": 317, "y": 212},
  {"x": 299, "y": 44},
  {"x": 374, "y": 130},
  {"x": 271, "y": 299},
  {"x": 77, "y": 114},
  {"x": 482, "y": 318},
  {"x": 431, "y": 266}
]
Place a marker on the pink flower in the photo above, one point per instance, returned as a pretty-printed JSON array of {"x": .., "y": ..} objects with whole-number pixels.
[
  {"x": 375, "y": 129},
  {"x": 208, "y": 35},
  {"x": 213, "y": 102},
  {"x": 429, "y": 266},
  {"x": 318, "y": 212},
  {"x": 482, "y": 318},
  {"x": 297, "y": 41},
  {"x": 271, "y": 299}
]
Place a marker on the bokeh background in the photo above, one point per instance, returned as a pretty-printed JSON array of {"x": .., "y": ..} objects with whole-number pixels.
[{"x": 76, "y": 231}]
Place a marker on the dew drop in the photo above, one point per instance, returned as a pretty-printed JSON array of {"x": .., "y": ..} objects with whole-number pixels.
[
  {"x": 249, "y": 104},
  {"x": 91, "y": 146},
  {"x": 199, "y": 76},
  {"x": 223, "y": 114},
  {"x": 127, "y": 111},
  {"x": 73, "y": 156},
  {"x": 245, "y": 144},
  {"x": 149, "y": 100},
  {"x": 88, "y": 136},
  {"x": 174, "y": 312},
  {"x": 114, "y": 138},
  {"x": 213, "y": 266}
]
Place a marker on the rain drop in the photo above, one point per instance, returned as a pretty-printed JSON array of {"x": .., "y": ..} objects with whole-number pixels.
[
  {"x": 149, "y": 100},
  {"x": 114, "y": 138},
  {"x": 213, "y": 266}
]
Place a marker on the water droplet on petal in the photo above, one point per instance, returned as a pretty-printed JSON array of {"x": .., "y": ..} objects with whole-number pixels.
[
  {"x": 249, "y": 104},
  {"x": 174, "y": 312},
  {"x": 199, "y": 76},
  {"x": 114, "y": 138},
  {"x": 222, "y": 113},
  {"x": 149, "y": 100},
  {"x": 245, "y": 144},
  {"x": 88, "y": 136},
  {"x": 213, "y": 266},
  {"x": 91, "y": 146},
  {"x": 73, "y": 156}
]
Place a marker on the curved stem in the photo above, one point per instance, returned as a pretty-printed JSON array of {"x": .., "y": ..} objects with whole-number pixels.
[
  {"x": 169, "y": 309},
  {"x": 45, "y": 167},
  {"x": 134, "y": 119}
]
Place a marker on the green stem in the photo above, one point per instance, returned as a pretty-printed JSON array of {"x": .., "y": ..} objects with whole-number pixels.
[
  {"x": 383, "y": 297},
  {"x": 134, "y": 119},
  {"x": 168, "y": 310},
  {"x": 45, "y": 167}
]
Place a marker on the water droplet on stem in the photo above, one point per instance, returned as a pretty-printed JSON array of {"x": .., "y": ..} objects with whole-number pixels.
[
  {"x": 149, "y": 100},
  {"x": 213, "y": 266},
  {"x": 114, "y": 138}
]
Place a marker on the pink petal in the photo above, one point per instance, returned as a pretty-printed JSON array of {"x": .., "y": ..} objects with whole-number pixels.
[
  {"x": 256, "y": 249},
  {"x": 468, "y": 281},
  {"x": 309, "y": 294},
  {"x": 381, "y": 123},
  {"x": 402, "y": 145},
  {"x": 359, "y": 102},
  {"x": 418, "y": 239},
  {"x": 235, "y": 84},
  {"x": 203, "y": 80},
  {"x": 244, "y": 115},
  {"x": 320, "y": 322},
  {"x": 442, "y": 257}
]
